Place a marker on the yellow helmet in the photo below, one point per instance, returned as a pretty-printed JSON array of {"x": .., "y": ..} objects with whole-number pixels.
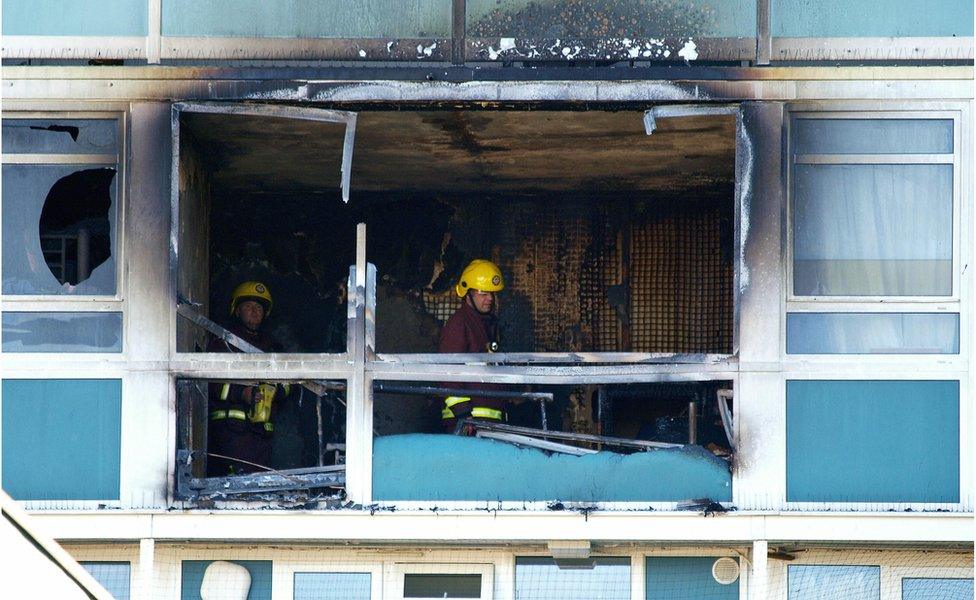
[
  {"x": 482, "y": 275},
  {"x": 251, "y": 290}
]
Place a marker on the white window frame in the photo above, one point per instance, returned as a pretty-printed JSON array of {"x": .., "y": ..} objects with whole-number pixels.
[
  {"x": 78, "y": 303},
  {"x": 396, "y": 575},
  {"x": 956, "y": 302},
  {"x": 89, "y": 302},
  {"x": 283, "y": 575},
  {"x": 889, "y": 373}
]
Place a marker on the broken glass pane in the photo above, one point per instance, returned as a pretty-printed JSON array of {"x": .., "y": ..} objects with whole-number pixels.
[
  {"x": 62, "y": 332},
  {"x": 59, "y": 229},
  {"x": 56, "y": 136}
]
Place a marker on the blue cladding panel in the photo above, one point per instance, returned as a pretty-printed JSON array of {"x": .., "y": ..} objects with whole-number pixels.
[
  {"x": 671, "y": 578},
  {"x": 260, "y": 571},
  {"x": 114, "y": 577},
  {"x": 864, "y": 18},
  {"x": 412, "y": 467},
  {"x": 818, "y": 582},
  {"x": 936, "y": 589},
  {"x": 872, "y": 333},
  {"x": 61, "y": 332},
  {"x": 332, "y": 586},
  {"x": 872, "y": 441},
  {"x": 539, "y": 578},
  {"x": 75, "y": 17},
  {"x": 304, "y": 19},
  {"x": 61, "y": 438}
]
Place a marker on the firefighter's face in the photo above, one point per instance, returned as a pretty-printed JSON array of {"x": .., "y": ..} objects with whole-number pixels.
[
  {"x": 251, "y": 314},
  {"x": 482, "y": 302}
]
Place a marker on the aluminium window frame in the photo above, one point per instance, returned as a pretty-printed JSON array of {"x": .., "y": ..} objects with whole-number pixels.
[
  {"x": 960, "y": 298},
  {"x": 283, "y": 574},
  {"x": 80, "y": 302},
  {"x": 76, "y": 303},
  {"x": 396, "y": 575}
]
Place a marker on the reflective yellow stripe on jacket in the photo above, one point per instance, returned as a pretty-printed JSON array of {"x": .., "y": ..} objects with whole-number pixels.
[{"x": 479, "y": 412}]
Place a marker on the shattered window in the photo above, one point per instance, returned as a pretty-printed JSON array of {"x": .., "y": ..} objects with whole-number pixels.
[{"x": 60, "y": 220}]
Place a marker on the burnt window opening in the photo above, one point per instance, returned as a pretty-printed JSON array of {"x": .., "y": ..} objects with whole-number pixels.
[
  {"x": 230, "y": 447},
  {"x": 614, "y": 442},
  {"x": 610, "y": 240},
  {"x": 74, "y": 227},
  {"x": 261, "y": 200}
]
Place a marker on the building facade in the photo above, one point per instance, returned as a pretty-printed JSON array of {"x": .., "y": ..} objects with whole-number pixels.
[{"x": 747, "y": 224}]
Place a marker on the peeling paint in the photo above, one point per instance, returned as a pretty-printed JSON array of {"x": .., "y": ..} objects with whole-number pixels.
[
  {"x": 744, "y": 179},
  {"x": 689, "y": 51}
]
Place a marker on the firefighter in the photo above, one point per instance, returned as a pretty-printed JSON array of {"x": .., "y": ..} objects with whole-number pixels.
[
  {"x": 474, "y": 328},
  {"x": 241, "y": 416}
]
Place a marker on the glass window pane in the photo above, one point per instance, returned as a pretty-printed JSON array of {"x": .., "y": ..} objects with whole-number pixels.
[
  {"x": 872, "y": 333},
  {"x": 872, "y": 136},
  {"x": 872, "y": 230},
  {"x": 60, "y": 136},
  {"x": 59, "y": 229},
  {"x": 193, "y": 572},
  {"x": 814, "y": 582},
  {"x": 539, "y": 578},
  {"x": 114, "y": 577},
  {"x": 332, "y": 586},
  {"x": 862, "y": 18},
  {"x": 303, "y": 19},
  {"x": 416, "y": 585},
  {"x": 62, "y": 332},
  {"x": 683, "y": 577},
  {"x": 61, "y": 438},
  {"x": 936, "y": 589},
  {"x": 872, "y": 441},
  {"x": 78, "y": 17},
  {"x": 640, "y": 19}
]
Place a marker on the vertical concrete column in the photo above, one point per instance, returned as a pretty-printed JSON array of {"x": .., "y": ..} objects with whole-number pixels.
[
  {"x": 147, "y": 563},
  {"x": 759, "y": 479},
  {"x": 359, "y": 393},
  {"x": 759, "y": 575},
  {"x": 147, "y": 440}
]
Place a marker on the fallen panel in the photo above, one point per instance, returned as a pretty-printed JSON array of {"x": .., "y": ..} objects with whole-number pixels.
[{"x": 434, "y": 467}]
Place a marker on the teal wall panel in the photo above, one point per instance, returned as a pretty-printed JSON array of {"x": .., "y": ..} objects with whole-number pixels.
[
  {"x": 193, "y": 570},
  {"x": 413, "y": 467},
  {"x": 681, "y": 577},
  {"x": 61, "y": 438},
  {"x": 863, "y": 18},
  {"x": 872, "y": 441},
  {"x": 76, "y": 17},
  {"x": 303, "y": 19}
]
